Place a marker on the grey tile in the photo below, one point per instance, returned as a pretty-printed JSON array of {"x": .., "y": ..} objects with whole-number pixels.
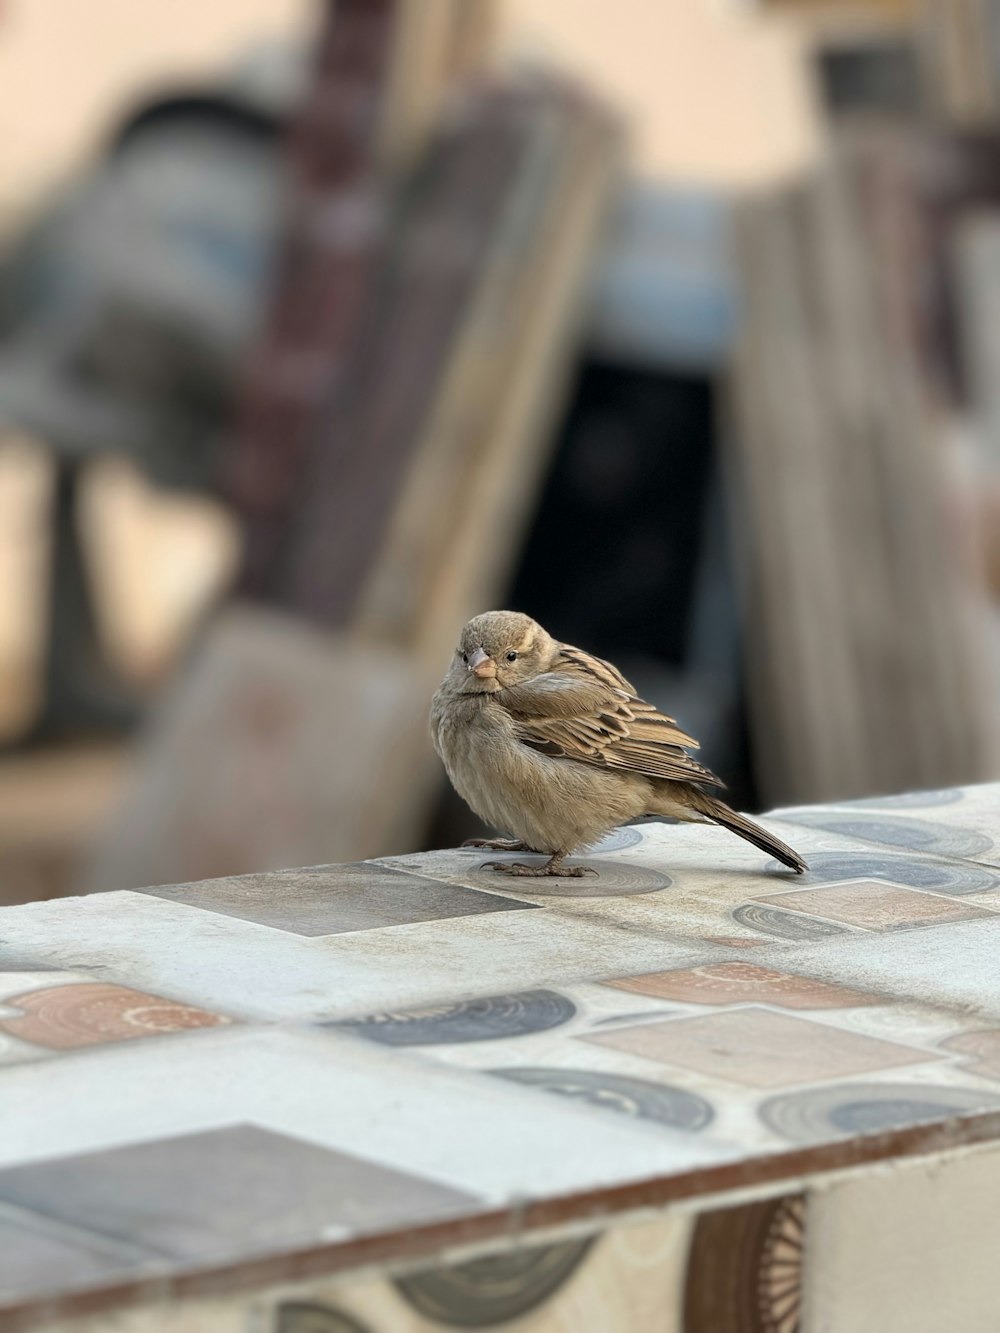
[
  {"x": 226, "y": 1192},
  {"x": 905, "y": 833},
  {"x": 494, "y": 1289},
  {"x": 815, "y": 1114},
  {"x": 18, "y": 962},
  {"x": 38, "y": 1255},
  {"x": 484, "y": 1018},
  {"x": 332, "y": 900},
  {"x": 857, "y": 860}
]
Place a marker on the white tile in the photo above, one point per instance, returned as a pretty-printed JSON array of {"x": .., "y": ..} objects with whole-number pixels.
[
  {"x": 483, "y": 1135},
  {"x": 242, "y": 968}
]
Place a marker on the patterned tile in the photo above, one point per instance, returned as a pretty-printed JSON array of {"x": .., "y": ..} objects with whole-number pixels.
[
  {"x": 225, "y": 1191},
  {"x": 631, "y": 1276},
  {"x": 557, "y": 1081},
  {"x": 745, "y": 1268},
  {"x": 487, "y": 1018},
  {"x": 874, "y": 905},
  {"x": 933, "y": 873},
  {"x": 495, "y": 1289},
  {"x": 65, "y": 1018},
  {"x": 657, "y": 1102},
  {"x": 611, "y": 879},
  {"x": 759, "y": 1048},
  {"x": 897, "y": 831},
  {"x": 332, "y": 900},
  {"x": 734, "y": 983},
  {"x": 783, "y": 925},
  {"x": 816, "y": 1114},
  {"x": 315, "y": 1317}
]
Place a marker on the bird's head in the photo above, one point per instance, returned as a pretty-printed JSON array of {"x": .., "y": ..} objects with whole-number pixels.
[{"x": 499, "y": 649}]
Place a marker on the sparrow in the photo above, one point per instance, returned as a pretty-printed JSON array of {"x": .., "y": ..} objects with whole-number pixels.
[{"x": 555, "y": 746}]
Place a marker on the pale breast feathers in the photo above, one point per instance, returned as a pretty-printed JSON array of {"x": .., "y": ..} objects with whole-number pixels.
[{"x": 583, "y": 708}]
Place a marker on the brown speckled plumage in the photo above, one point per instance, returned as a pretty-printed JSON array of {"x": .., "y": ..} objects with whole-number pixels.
[{"x": 553, "y": 745}]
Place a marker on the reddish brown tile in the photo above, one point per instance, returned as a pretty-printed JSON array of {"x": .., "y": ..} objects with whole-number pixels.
[
  {"x": 759, "y": 1048},
  {"x": 732, "y": 983},
  {"x": 63, "y": 1018},
  {"x": 873, "y": 905}
]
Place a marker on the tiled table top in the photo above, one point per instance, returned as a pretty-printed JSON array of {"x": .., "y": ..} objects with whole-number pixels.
[{"x": 330, "y": 1065}]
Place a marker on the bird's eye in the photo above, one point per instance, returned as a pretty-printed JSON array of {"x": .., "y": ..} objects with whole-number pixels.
[
  {"x": 512, "y": 657},
  {"x": 464, "y": 656}
]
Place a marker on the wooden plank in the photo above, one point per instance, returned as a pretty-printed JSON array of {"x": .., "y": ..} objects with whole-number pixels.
[
  {"x": 869, "y": 665},
  {"x": 369, "y": 436},
  {"x": 483, "y": 447}
]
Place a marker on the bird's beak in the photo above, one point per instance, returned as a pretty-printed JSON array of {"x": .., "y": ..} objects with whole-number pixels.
[{"x": 482, "y": 665}]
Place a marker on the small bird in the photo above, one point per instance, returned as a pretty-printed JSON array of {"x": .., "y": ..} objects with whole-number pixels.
[{"x": 555, "y": 746}]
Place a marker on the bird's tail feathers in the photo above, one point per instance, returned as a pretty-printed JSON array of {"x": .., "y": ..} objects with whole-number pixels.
[{"x": 720, "y": 813}]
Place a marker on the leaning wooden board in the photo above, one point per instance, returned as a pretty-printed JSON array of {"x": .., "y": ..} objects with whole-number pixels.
[{"x": 868, "y": 652}]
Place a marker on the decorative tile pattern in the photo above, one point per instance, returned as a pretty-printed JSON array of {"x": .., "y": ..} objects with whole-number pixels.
[
  {"x": 225, "y": 1191},
  {"x": 331, "y": 900},
  {"x": 489, "y": 1018},
  {"x": 916, "y": 835},
  {"x": 416, "y": 1043},
  {"x": 629, "y": 1276},
  {"x": 494, "y": 1290},
  {"x": 759, "y": 1048},
  {"x": 618, "y": 840},
  {"x": 736, "y": 983},
  {"x": 867, "y": 1108},
  {"x": 745, "y": 1269},
  {"x": 308, "y": 1317},
  {"x": 658, "y": 1102},
  {"x": 65, "y": 1018},
  {"x": 611, "y": 879},
  {"x": 917, "y": 872},
  {"x": 873, "y": 905},
  {"x": 783, "y": 925}
]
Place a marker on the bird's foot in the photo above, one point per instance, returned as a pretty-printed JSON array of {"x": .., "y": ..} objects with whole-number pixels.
[
  {"x": 498, "y": 844},
  {"x": 522, "y": 871}
]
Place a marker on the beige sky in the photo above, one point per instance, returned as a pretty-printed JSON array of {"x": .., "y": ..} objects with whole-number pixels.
[
  {"x": 710, "y": 93},
  {"x": 69, "y": 67}
]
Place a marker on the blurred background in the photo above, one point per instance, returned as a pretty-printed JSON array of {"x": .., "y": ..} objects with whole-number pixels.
[{"x": 326, "y": 326}]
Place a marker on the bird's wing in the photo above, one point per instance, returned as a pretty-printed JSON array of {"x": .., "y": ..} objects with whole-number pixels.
[{"x": 583, "y": 708}]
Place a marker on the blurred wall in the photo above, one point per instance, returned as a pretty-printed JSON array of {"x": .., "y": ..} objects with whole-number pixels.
[
  {"x": 715, "y": 94},
  {"x": 68, "y": 69}
]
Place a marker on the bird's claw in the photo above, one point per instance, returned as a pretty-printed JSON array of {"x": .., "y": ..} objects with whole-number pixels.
[
  {"x": 498, "y": 844},
  {"x": 522, "y": 871}
]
